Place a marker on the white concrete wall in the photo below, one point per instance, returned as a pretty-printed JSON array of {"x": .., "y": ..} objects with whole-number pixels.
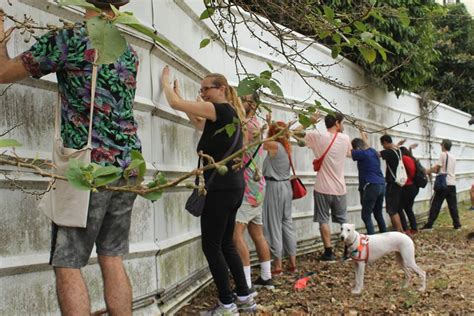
[{"x": 165, "y": 244}]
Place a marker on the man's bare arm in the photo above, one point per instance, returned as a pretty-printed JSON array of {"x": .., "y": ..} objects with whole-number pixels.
[{"x": 11, "y": 70}]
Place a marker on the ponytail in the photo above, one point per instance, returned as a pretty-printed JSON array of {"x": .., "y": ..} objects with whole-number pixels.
[{"x": 235, "y": 102}]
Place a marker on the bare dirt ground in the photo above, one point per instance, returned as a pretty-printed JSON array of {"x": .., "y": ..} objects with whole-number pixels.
[{"x": 445, "y": 254}]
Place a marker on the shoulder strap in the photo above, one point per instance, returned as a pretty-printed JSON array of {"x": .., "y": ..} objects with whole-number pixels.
[
  {"x": 57, "y": 121},
  {"x": 329, "y": 147},
  {"x": 253, "y": 156},
  {"x": 291, "y": 165},
  {"x": 388, "y": 165},
  {"x": 446, "y": 165}
]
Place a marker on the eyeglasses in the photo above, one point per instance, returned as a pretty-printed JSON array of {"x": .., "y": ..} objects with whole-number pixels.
[{"x": 204, "y": 89}]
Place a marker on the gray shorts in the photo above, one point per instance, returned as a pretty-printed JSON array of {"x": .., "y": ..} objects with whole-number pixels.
[
  {"x": 108, "y": 226},
  {"x": 325, "y": 202},
  {"x": 249, "y": 214}
]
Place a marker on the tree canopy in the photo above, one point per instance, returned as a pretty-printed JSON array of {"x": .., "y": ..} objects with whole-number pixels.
[{"x": 453, "y": 81}]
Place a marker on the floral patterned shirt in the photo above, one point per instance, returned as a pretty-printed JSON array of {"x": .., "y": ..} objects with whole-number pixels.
[
  {"x": 69, "y": 54},
  {"x": 254, "y": 190}
]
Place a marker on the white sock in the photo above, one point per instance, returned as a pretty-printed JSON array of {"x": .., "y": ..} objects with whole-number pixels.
[
  {"x": 248, "y": 276},
  {"x": 266, "y": 270}
]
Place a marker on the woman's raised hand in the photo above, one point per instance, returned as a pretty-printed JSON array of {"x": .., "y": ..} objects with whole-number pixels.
[
  {"x": 165, "y": 77},
  {"x": 176, "y": 88},
  {"x": 269, "y": 118}
]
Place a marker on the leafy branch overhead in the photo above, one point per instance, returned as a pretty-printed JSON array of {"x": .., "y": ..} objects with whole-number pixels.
[
  {"x": 105, "y": 35},
  {"x": 392, "y": 40}
]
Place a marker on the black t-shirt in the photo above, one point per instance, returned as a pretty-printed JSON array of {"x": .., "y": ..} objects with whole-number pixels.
[
  {"x": 217, "y": 145},
  {"x": 391, "y": 158}
]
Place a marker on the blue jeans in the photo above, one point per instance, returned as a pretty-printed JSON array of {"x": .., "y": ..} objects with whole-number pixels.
[{"x": 371, "y": 197}]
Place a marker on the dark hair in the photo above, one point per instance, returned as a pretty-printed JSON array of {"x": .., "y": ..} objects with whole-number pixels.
[
  {"x": 406, "y": 152},
  {"x": 386, "y": 139},
  {"x": 255, "y": 97},
  {"x": 358, "y": 144},
  {"x": 331, "y": 119},
  {"x": 105, "y": 4},
  {"x": 446, "y": 143}
]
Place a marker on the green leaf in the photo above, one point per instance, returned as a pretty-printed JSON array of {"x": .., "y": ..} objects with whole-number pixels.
[
  {"x": 335, "y": 51},
  {"x": 360, "y": 26},
  {"x": 207, "y": 13},
  {"x": 336, "y": 38},
  {"x": 76, "y": 176},
  {"x": 270, "y": 84},
  {"x": 304, "y": 120},
  {"x": 366, "y": 35},
  {"x": 153, "y": 196},
  {"x": 369, "y": 54},
  {"x": 324, "y": 34},
  {"x": 106, "y": 171},
  {"x": 275, "y": 88},
  {"x": 382, "y": 53},
  {"x": 160, "y": 177},
  {"x": 267, "y": 74},
  {"x": 134, "y": 23},
  {"x": 9, "y": 143},
  {"x": 107, "y": 39},
  {"x": 270, "y": 65},
  {"x": 404, "y": 19},
  {"x": 230, "y": 129},
  {"x": 328, "y": 13},
  {"x": 107, "y": 179},
  {"x": 311, "y": 109},
  {"x": 79, "y": 3},
  {"x": 204, "y": 42},
  {"x": 247, "y": 86},
  {"x": 139, "y": 161}
]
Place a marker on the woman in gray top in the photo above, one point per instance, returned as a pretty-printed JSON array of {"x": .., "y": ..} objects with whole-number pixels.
[{"x": 277, "y": 221}]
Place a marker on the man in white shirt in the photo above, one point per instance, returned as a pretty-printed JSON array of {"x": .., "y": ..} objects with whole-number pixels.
[{"x": 445, "y": 164}]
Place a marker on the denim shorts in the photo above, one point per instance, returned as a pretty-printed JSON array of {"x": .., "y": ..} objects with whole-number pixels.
[{"x": 108, "y": 227}]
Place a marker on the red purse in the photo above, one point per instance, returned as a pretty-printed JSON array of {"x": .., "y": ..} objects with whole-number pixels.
[
  {"x": 299, "y": 190},
  {"x": 318, "y": 162}
]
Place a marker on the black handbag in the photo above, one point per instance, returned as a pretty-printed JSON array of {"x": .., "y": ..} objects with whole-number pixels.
[
  {"x": 195, "y": 203},
  {"x": 441, "y": 182}
]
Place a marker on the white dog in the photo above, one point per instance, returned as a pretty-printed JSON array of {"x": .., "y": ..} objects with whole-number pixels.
[{"x": 366, "y": 249}]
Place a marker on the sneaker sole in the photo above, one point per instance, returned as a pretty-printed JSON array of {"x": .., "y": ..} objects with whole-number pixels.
[
  {"x": 251, "y": 309},
  {"x": 252, "y": 295},
  {"x": 268, "y": 287}
]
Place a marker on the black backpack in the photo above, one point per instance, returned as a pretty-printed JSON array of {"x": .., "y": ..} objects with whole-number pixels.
[{"x": 420, "y": 179}]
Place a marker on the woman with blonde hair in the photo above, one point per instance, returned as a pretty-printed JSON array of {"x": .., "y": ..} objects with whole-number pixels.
[
  {"x": 277, "y": 220},
  {"x": 218, "y": 107}
]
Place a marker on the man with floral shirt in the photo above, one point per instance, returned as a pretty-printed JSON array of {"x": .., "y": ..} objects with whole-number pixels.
[
  {"x": 68, "y": 53},
  {"x": 250, "y": 213}
]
